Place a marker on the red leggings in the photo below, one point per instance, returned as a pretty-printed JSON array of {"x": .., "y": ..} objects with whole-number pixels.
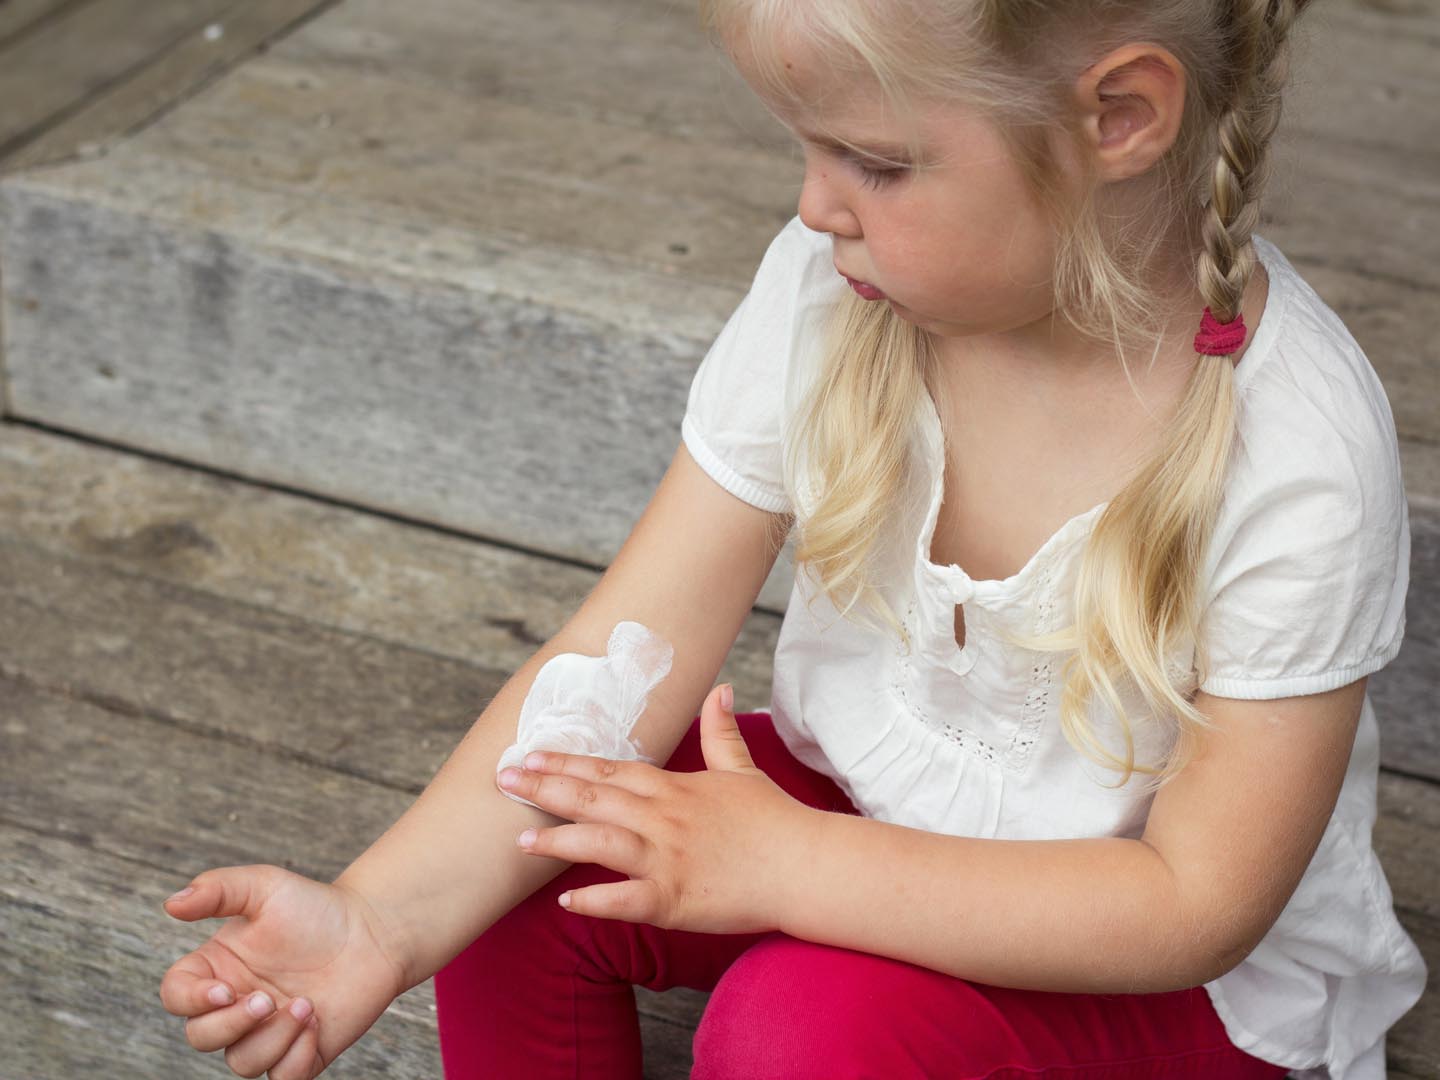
[{"x": 545, "y": 994}]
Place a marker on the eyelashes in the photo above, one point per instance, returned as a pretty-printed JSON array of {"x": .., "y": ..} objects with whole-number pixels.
[
  {"x": 877, "y": 178},
  {"x": 872, "y": 177}
]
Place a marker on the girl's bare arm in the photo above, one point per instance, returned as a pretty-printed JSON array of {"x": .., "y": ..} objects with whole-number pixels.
[{"x": 449, "y": 867}]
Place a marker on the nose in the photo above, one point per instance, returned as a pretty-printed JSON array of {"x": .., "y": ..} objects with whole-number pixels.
[{"x": 823, "y": 205}]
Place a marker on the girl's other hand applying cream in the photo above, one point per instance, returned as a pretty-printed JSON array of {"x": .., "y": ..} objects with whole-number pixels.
[
  {"x": 297, "y": 973},
  {"x": 717, "y": 851}
]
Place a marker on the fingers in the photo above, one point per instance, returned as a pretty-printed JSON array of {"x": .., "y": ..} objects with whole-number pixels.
[
  {"x": 302, "y": 1061},
  {"x": 609, "y": 845},
  {"x": 571, "y": 797},
  {"x": 190, "y": 987},
  {"x": 633, "y": 776},
  {"x": 229, "y": 890},
  {"x": 284, "y": 1037},
  {"x": 630, "y": 901},
  {"x": 253, "y": 1033},
  {"x": 219, "y": 1028}
]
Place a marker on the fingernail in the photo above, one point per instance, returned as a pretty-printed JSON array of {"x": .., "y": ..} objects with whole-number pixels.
[
  {"x": 300, "y": 1008},
  {"x": 526, "y": 838},
  {"x": 221, "y": 995},
  {"x": 535, "y": 760},
  {"x": 260, "y": 1005},
  {"x": 181, "y": 894},
  {"x": 509, "y": 777},
  {"x": 727, "y": 697}
]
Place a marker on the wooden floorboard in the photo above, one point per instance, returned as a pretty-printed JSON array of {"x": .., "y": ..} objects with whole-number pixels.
[
  {"x": 118, "y": 768},
  {"x": 83, "y": 943},
  {"x": 20, "y": 18},
  {"x": 169, "y": 711},
  {"x": 77, "y": 76}
]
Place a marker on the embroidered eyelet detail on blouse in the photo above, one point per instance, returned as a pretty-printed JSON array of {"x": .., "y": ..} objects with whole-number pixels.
[
  {"x": 1037, "y": 698},
  {"x": 1015, "y": 756},
  {"x": 967, "y": 740}
]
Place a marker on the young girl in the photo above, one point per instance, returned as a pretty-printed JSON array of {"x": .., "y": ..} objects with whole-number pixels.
[{"x": 1070, "y": 769}]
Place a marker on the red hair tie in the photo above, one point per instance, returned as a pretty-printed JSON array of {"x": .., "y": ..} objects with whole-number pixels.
[{"x": 1217, "y": 338}]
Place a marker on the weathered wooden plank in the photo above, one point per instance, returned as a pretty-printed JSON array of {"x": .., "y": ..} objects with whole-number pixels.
[
  {"x": 84, "y": 943},
  {"x": 1421, "y": 465},
  {"x": 152, "y": 790},
  {"x": 23, "y": 16},
  {"x": 433, "y": 591},
  {"x": 1364, "y": 78},
  {"x": 1404, "y": 840},
  {"x": 378, "y": 141},
  {"x": 265, "y": 680},
  {"x": 161, "y": 803},
  {"x": 82, "y": 51},
  {"x": 1368, "y": 251},
  {"x": 1413, "y": 1046},
  {"x": 599, "y": 62},
  {"x": 118, "y": 110},
  {"x": 487, "y": 412}
]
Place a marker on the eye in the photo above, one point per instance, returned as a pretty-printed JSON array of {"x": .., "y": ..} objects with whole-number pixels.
[{"x": 873, "y": 177}]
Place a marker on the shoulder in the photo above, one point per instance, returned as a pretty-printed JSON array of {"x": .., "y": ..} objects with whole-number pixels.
[
  {"x": 1310, "y": 408},
  {"x": 1308, "y": 566},
  {"x": 745, "y": 387}
]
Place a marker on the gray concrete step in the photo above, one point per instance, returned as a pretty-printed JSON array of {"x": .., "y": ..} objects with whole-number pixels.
[{"x": 458, "y": 263}]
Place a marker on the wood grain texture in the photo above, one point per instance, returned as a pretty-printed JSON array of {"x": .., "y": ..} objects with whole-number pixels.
[
  {"x": 448, "y": 596},
  {"x": 83, "y": 945},
  {"x": 167, "y": 783},
  {"x": 89, "y": 125},
  {"x": 83, "y": 50},
  {"x": 19, "y": 17}
]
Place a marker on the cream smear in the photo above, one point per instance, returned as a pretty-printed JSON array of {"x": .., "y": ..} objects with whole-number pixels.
[{"x": 588, "y": 704}]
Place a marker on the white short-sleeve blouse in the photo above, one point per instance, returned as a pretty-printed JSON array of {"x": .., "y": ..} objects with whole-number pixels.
[{"x": 1304, "y": 588}]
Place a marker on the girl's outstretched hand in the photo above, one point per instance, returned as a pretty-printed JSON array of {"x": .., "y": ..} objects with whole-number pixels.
[
  {"x": 717, "y": 852},
  {"x": 298, "y": 972}
]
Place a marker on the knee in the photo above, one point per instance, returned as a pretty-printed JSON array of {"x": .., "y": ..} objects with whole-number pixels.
[{"x": 795, "y": 1010}]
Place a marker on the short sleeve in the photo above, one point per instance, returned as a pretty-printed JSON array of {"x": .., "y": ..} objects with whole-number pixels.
[
  {"x": 735, "y": 416},
  {"x": 1311, "y": 550}
]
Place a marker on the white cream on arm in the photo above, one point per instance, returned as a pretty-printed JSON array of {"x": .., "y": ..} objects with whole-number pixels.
[{"x": 588, "y": 704}]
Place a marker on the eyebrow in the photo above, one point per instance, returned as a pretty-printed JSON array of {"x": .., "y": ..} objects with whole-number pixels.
[{"x": 892, "y": 151}]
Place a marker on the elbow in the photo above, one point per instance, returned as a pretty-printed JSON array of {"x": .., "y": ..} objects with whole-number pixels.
[
  {"x": 1214, "y": 945},
  {"x": 1207, "y": 965}
]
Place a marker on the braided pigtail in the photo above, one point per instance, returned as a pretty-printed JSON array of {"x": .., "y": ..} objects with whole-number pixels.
[
  {"x": 1151, "y": 541},
  {"x": 1242, "y": 166}
]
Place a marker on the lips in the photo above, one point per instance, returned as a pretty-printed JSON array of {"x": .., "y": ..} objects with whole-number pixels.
[{"x": 865, "y": 289}]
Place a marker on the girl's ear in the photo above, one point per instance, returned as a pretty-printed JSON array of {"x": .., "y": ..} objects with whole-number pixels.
[{"x": 1131, "y": 104}]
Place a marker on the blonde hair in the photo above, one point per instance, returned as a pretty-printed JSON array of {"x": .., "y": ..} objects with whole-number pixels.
[{"x": 1136, "y": 593}]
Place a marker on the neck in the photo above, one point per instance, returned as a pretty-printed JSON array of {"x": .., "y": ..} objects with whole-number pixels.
[{"x": 1050, "y": 357}]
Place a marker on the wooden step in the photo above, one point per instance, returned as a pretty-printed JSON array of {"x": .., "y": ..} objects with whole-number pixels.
[
  {"x": 459, "y": 263},
  {"x": 199, "y": 673}
]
